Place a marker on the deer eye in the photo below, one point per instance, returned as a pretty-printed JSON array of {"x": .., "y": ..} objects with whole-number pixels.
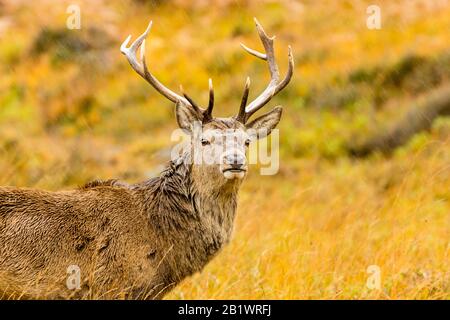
[
  {"x": 205, "y": 142},
  {"x": 247, "y": 142}
]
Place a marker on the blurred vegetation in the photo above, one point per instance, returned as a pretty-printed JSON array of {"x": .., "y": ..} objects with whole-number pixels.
[{"x": 72, "y": 110}]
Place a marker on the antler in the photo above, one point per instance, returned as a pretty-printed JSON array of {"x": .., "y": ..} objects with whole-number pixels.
[
  {"x": 141, "y": 68},
  {"x": 275, "y": 85},
  {"x": 245, "y": 111}
]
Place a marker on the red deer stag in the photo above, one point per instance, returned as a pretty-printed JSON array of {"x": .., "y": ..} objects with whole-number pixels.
[{"x": 137, "y": 241}]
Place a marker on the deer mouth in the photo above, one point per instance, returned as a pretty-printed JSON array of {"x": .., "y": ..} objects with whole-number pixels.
[
  {"x": 234, "y": 170},
  {"x": 234, "y": 173}
]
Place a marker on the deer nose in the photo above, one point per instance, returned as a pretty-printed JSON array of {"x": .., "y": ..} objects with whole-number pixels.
[{"x": 235, "y": 160}]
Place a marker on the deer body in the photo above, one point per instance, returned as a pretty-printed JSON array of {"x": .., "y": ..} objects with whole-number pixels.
[
  {"x": 137, "y": 241},
  {"x": 134, "y": 241}
]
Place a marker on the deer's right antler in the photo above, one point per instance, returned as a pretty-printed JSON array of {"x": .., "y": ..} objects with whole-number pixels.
[{"x": 141, "y": 68}]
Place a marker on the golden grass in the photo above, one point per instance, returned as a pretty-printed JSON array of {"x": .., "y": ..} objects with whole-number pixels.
[{"x": 312, "y": 232}]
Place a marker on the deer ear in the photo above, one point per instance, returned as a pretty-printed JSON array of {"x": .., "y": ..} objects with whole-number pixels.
[
  {"x": 186, "y": 116},
  {"x": 262, "y": 126}
]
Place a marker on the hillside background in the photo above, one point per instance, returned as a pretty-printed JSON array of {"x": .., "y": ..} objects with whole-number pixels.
[{"x": 72, "y": 110}]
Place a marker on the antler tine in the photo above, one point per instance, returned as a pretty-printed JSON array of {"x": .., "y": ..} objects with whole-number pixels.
[
  {"x": 192, "y": 102},
  {"x": 211, "y": 97},
  {"x": 274, "y": 85},
  {"x": 141, "y": 67},
  {"x": 242, "y": 117},
  {"x": 207, "y": 114},
  {"x": 254, "y": 52}
]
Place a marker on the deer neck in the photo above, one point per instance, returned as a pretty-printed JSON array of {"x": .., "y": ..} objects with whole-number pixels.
[
  {"x": 216, "y": 206},
  {"x": 208, "y": 202},
  {"x": 177, "y": 199},
  {"x": 190, "y": 222}
]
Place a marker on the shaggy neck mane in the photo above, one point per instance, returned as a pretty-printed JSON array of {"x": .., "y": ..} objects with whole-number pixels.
[
  {"x": 173, "y": 201},
  {"x": 192, "y": 225}
]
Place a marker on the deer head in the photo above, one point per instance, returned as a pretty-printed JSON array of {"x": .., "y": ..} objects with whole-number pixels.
[{"x": 223, "y": 141}]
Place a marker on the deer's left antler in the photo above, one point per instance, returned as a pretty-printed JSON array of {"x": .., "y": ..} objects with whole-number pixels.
[{"x": 275, "y": 85}]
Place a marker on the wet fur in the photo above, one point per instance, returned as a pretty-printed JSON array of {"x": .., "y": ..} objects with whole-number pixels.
[{"x": 130, "y": 241}]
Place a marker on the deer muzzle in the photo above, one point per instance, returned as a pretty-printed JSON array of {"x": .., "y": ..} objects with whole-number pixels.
[{"x": 234, "y": 165}]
